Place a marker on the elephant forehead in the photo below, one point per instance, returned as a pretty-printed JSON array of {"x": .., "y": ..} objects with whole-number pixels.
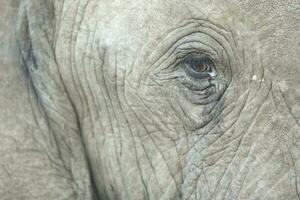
[
  {"x": 130, "y": 25},
  {"x": 136, "y": 22},
  {"x": 123, "y": 23}
]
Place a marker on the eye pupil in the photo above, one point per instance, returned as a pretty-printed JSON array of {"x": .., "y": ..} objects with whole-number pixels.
[
  {"x": 198, "y": 64},
  {"x": 200, "y": 67}
]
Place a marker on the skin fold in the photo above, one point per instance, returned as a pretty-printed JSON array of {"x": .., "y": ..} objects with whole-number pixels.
[{"x": 190, "y": 100}]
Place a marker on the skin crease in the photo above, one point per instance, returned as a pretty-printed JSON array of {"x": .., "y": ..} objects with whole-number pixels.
[
  {"x": 166, "y": 165},
  {"x": 120, "y": 126}
]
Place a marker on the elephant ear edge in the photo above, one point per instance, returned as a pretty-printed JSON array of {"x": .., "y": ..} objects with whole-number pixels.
[{"x": 35, "y": 28}]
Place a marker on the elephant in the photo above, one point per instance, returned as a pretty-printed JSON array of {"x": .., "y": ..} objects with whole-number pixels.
[{"x": 132, "y": 100}]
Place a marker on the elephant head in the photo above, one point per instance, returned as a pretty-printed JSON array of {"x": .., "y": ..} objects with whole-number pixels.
[{"x": 164, "y": 99}]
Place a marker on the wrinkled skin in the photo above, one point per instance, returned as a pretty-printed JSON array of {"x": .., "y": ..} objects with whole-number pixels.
[{"x": 117, "y": 111}]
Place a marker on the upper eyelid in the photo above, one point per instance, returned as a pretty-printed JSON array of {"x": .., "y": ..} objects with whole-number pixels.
[
  {"x": 179, "y": 54},
  {"x": 193, "y": 45},
  {"x": 182, "y": 52},
  {"x": 190, "y": 43},
  {"x": 207, "y": 54}
]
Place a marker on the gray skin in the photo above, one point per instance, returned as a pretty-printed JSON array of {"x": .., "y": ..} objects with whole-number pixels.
[{"x": 141, "y": 99}]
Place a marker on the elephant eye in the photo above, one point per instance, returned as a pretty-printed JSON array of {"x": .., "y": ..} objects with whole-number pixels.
[{"x": 198, "y": 66}]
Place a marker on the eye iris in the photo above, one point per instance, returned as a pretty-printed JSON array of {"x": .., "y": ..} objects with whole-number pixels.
[
  {"x": 200, "y": 67},
  {"x": 199, "y": 63}
]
